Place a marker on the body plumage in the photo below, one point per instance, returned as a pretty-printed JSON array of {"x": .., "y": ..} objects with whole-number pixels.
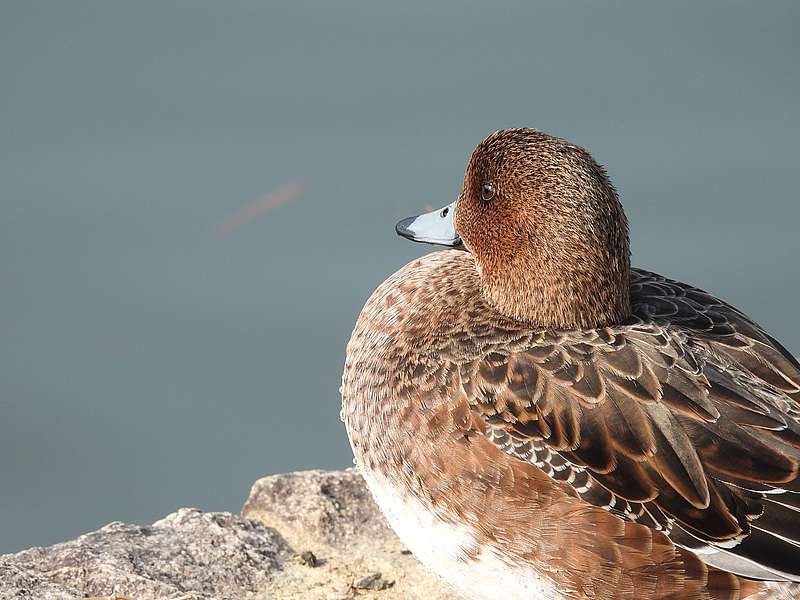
[{"x": 644, "y": 450}]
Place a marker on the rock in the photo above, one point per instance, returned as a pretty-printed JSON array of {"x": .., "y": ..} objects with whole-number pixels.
[
  {"x": 311, "y": 535},
  {"x": 18, "y": 583},
  {"x": 333, "y": 515},
  {"x": 323, "y": 507},
  {"x": 207, "y": 555},
  {"x": 374, "y": 582},
  {"x": 309, "y": 559}
]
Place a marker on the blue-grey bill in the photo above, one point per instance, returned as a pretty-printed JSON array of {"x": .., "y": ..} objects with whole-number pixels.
[{"x": 435, "y": 227}]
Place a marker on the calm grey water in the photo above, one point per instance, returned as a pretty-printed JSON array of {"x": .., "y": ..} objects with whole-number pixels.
[{"x": 147, "y": 362}]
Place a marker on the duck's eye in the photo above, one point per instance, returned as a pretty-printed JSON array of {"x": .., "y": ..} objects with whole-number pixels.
[
  {"x": 487, "y": 191},
  {"x": 444, "y": 212}
]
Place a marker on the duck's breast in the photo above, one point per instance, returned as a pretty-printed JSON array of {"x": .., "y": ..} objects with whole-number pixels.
[{"x": 451, "y": 550}]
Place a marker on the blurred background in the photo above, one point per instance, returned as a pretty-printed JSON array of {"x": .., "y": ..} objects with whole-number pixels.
[{"x": 196, "y": 199}]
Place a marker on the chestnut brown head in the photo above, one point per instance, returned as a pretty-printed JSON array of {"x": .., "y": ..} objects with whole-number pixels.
[{"x": 548, "y": 233}]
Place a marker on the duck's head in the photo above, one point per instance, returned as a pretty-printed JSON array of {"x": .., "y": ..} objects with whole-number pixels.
[{"x": 546, "y": 229}]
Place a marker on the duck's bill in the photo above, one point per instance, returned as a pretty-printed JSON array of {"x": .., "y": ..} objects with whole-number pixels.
[{"x": 435, "y": 227}]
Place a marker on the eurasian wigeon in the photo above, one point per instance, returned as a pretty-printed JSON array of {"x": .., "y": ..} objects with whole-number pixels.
[{"x": 538, "y": 420}]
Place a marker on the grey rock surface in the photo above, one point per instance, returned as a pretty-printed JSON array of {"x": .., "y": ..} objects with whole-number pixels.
[
  {"x": 333, "y": 515},
  {"x": 313, "y": 535}
]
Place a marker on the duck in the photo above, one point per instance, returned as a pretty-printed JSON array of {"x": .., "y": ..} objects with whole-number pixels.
[{"x": 538, "y": 420}]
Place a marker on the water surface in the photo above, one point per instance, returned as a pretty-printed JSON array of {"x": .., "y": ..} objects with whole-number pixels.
[{"x": 151, "y": 360}]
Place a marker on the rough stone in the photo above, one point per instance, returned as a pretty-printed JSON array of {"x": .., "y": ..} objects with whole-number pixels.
[
  {"x": 333, "y": 515},
  {"x": 310, "y": 535},
  {"x": 207, "y": 556}
]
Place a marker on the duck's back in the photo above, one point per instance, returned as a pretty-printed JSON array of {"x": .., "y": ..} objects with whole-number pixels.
[{"x": 576, "y": 464}]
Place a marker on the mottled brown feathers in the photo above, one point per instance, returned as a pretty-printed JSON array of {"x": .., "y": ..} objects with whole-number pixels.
[{"x": 631, "y": 437}]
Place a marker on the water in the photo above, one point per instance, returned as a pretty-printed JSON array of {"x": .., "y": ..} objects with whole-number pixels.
[{"x": 150, "y": 362}]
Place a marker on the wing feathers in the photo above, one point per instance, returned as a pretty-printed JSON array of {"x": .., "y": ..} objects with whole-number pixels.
[
  {"x": 686, "y": 419},
  {"x": 630, "y": 427},
  {"x": 719, "y": 445},
  {"x": 688, "y": 395},
  {"x": 676, "y": 459}
]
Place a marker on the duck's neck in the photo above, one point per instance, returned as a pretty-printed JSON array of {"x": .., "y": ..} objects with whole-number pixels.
[{"x": 549, "y": 293}]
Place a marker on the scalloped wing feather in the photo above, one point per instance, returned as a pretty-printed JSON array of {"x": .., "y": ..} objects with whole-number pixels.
[{"x": 685, "y": 419}]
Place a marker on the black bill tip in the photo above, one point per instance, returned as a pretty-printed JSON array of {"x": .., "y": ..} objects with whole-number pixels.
[{"x": 402, "y": 228}]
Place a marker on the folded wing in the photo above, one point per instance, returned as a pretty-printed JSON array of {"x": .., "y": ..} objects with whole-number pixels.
[{"x": 685, "y": 419}]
